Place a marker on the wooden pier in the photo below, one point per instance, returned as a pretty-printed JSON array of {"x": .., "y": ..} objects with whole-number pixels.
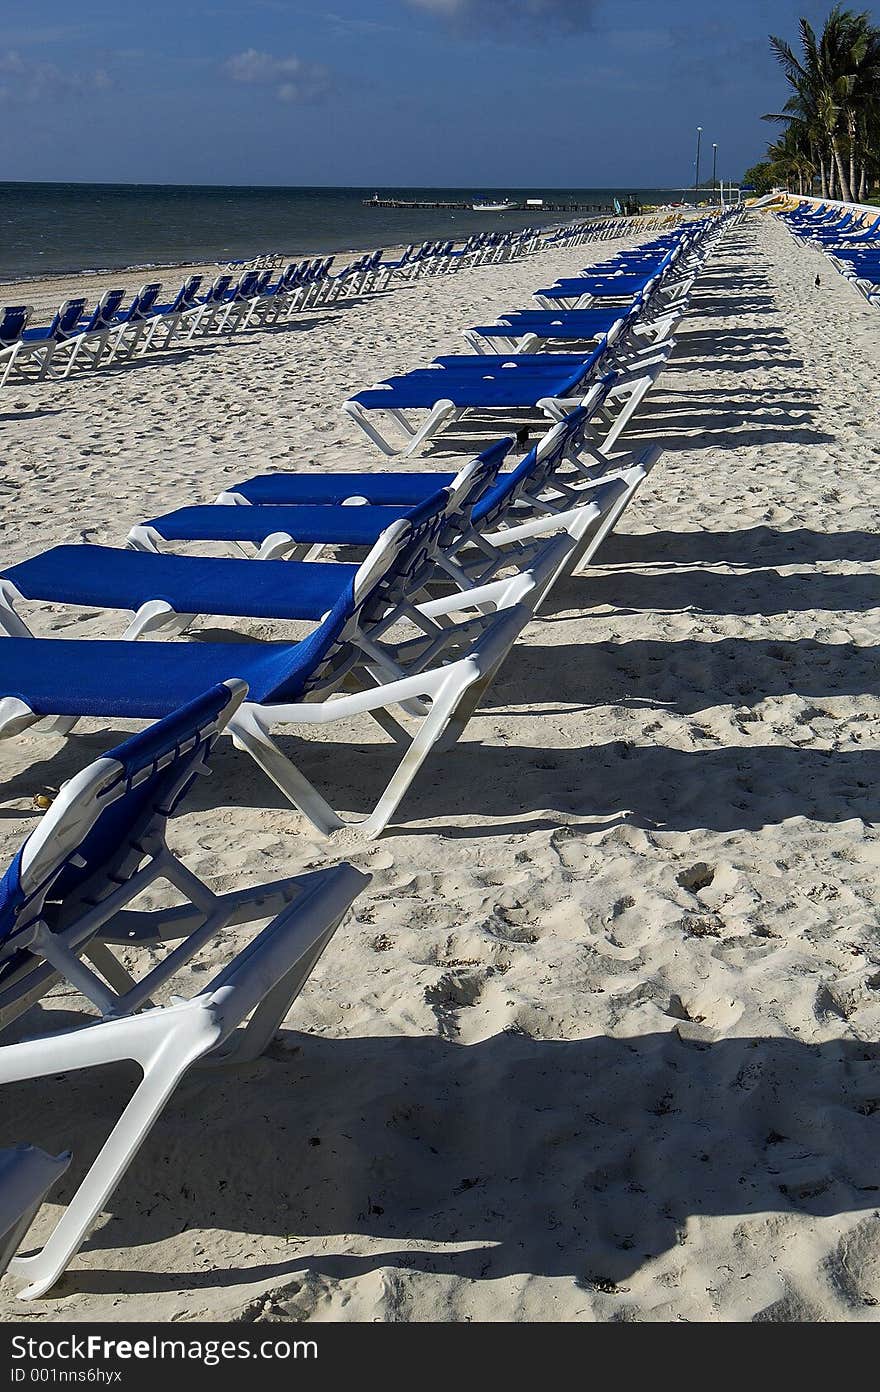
[
  {"x": 402, "y": 203},
  {"x": 513, "y": 208}
]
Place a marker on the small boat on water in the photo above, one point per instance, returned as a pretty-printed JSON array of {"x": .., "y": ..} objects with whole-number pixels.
[{"x": 485, "y": 206}]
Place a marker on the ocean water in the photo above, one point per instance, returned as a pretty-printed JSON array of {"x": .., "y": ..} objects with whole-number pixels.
[{"x": 51, "y": 228}]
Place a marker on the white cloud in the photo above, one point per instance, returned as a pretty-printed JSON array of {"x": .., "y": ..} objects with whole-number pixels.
[
  {"x": 293, "y": 79},
  {"x": 24, "y": 81}
]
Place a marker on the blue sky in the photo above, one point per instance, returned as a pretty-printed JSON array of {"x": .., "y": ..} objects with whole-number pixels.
[{"x": 564, "y": 93}]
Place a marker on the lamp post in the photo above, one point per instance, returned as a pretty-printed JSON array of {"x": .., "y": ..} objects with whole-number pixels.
[
  {"x": 697, "y": 168},
  {"x": 714, "y": 167}
]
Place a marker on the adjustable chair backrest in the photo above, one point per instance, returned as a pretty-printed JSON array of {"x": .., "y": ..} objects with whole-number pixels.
[
  {"x": 66, "y": 318},
  {"x": 13, "y": 323},
  {"x": 397, "y": 567},
  {"x": 403, "y": 556},
  {"x": 96, "y": 834},
  {"x": 218, "y": 289},
  {"x": 469, "y": 487},
  {"x": 544, "y": 459},
  {"x": 143, "y": 302},
  {"x": 246, "y": 287},
  {"x": 104, "y": 310},
  {"x": 834, "y": 229},
  {"x": 186, "y": 295}
]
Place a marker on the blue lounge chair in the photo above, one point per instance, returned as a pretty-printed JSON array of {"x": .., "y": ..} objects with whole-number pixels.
[
  {"x": 229, "y": 311},
  {"x": 303, "y": 532},
  {"x": 64, "y": 907},
  {"x": 621, "y": 327},
  {"x": 34, "y": 348},
  {"x": 517, "y": 331},
  {"x": 85, "y": 347},
  {"x": 13, "y": 322},
  {"x": 447, "y": 395},
  {"x": 388, "y": 488},
  {"x": 553, "y": 488},
  {"x": 437, "y": 675},
  {"x": 165, "y": 318},
  {"x": 151, "y": 584},
  {"x": 583, "y": 291},
  {"x": 315, "y": 286},
  {"x": 204, "y": 309},
  {"x": 830, "y": 232},
  {"x": 668, "y": 277},
  {"x": 274, "y": 300},
  {"x": 167, "y": 592},
  {"x": 130, "y": 324},
  {"x": 538, "y": 382}
]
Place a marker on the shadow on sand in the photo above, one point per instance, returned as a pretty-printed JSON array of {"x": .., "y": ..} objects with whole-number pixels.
[{"x": 578, "y": 1158}]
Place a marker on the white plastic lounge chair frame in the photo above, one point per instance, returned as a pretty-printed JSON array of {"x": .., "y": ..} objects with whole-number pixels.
[
  {"x": 87, "y": 348},
  {"x": 444, "y": 675},
  {"x": 37, "y": 353},
  {"x": 438, "y": 677},
  {"x": 637, "y": 370},
  {"x": 258, "y": 986},
  {"x": 472, "y": 633},
  {"x": 262, "y": 983}
]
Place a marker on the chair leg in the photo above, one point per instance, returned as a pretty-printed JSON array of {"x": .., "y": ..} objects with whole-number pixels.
[
  {"x": 157, "y": 616},
  {"x": 165, "y": 1047},
  {"x": 463, "y": 685},
  {"x": 256, "y": 1036},
  {"x": 62, "y": 724},
  {"x": 460, "y": 676},
  {"x": 443, "y": 413},
  {"x": 11, "y": 358},
  {"x": 609, "y": 522},
  {"x": 249, "y": 734},
  {"x": 11, "y": 624},
  {"x": 15, "y": 717}
]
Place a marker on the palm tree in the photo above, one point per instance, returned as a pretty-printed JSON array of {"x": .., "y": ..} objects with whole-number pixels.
[
  {"x": 834, "y": 108},
  {"x": 863, "y": 113},
  {"x": 791, "y": 158},
  {"x": 870, "y": 148}
]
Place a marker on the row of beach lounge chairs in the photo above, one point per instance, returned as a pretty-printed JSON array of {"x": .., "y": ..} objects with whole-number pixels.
[
  {"x": 594, "y": 231},
  {"x": 434, "y": 576},
  {"x": 113, "y": 332},
  {"x": 632, "y": 301},
  {"x": 850, "y": 237}
]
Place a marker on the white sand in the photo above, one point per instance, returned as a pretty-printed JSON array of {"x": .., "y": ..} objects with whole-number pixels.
[{"x": 598, "y": 1042}]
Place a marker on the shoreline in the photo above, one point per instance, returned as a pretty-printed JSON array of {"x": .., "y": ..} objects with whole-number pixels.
[{"x": 392, "y": 248}]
